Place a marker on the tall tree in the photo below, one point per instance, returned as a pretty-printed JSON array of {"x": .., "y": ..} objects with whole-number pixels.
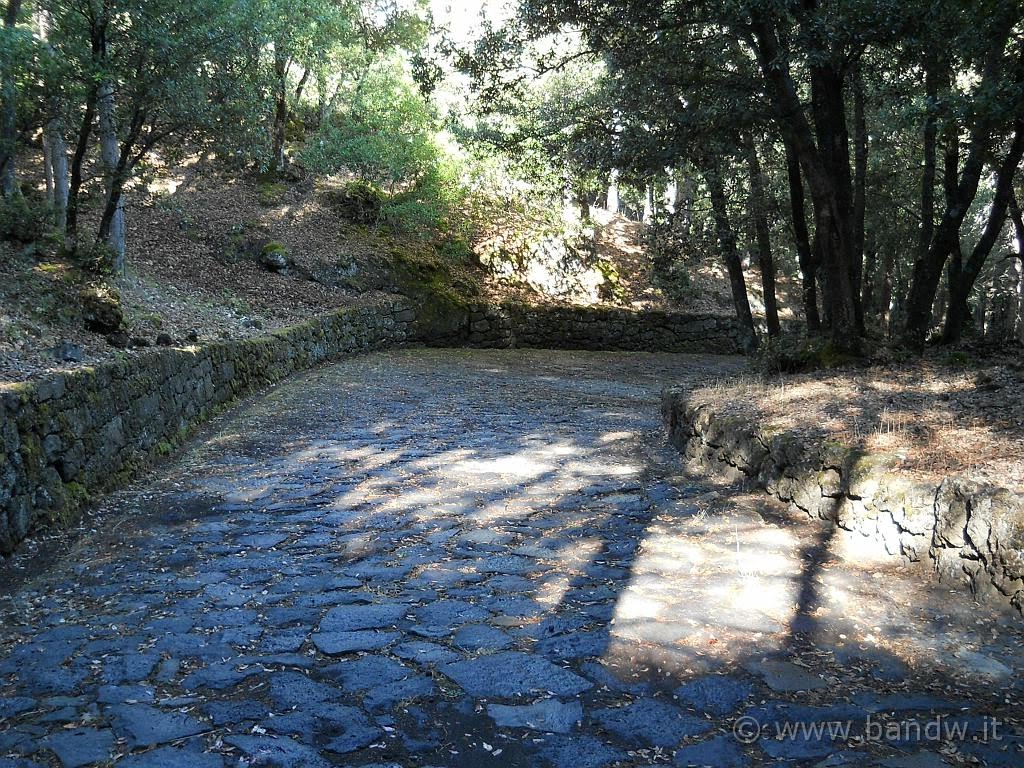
[
  {"x": 963, "y": 278},
  {"x": 144, "y": 73},
  {"x": 762, "y": 237},
  {"x": 9, "y": 109},
  {"x": 730, "y": 253},
  {"x": 1001, "y": 67}
]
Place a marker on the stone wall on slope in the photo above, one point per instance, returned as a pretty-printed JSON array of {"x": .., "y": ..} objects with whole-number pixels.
[
  {"x": 969, "y": 534},
  {"x": 71, "y": 435}
]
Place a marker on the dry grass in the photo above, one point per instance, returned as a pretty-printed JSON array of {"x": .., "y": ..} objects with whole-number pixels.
[{"x": 940, "y": 420}]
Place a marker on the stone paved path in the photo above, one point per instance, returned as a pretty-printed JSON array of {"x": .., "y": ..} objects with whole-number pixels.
[{"x": 447, "y": 558}]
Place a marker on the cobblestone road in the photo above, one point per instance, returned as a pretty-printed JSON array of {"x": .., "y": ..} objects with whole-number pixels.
[{"x": 448, "y": 558}]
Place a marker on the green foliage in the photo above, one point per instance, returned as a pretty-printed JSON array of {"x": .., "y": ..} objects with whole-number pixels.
[
  {"x": 358, "y": 201},
  {"x": 669, "y": 245},
  {"x": 385, "y": 136},
  {"x": 611, "y": 289},
  {"x": 274, "y": 256},
  {"x": 433, "y": 205},
  {"x": 23, "y": 219},
  {"x": 455, "y": 250},
  {"x": 96, "y": 258},
  {"x": 274, "y": 247},
  {"x": 271, "y": 193},
  {"x": 389, "y": 138}
]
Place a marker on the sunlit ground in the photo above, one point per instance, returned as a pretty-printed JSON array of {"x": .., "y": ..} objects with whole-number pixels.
[
  {"x": 708, "y": 578},
  {"x": 526, "y": 498}
]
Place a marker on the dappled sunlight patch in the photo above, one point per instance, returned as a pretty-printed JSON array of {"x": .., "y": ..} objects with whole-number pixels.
[
  {"x": 604, "y": 469},
  {"x": 633, "y": 605},
  {"x": 560, "y": 449},
  {"x": 574, "y": 557},
  {"x": 552, "y": 592},
  {"x": 518, "y": 466}
]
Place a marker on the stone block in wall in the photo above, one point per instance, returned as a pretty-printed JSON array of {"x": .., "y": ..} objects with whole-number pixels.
[
  {"x": 51, "y": 388},
  {"x": 1006, "y": 542},
  {"x": 952, "y": 513},
  {"x": 914, "y": 547},
  {"x": 789, "y": 452},
  {"x": 889, "y": 533},
  {"x": 911, "y": 503},
  {"x": 831, "y": 482}
]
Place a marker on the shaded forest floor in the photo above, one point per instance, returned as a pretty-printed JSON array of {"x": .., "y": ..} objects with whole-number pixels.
[{"x": 194, "y": 269}]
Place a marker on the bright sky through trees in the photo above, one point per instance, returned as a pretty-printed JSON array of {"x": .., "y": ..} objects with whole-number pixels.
[{"x": 463, "y": 17}]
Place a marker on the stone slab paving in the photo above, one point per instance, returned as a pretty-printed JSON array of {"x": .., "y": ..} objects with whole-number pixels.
[{"x": 454, "y": 558}]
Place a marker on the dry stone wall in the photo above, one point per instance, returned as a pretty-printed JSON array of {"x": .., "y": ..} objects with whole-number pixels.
[
  {"x": 70, "y": 436},
  {"x": 600, "y": 328},
  {"x": 66, "y": 437},
  {"x": 969, "y": 534}
]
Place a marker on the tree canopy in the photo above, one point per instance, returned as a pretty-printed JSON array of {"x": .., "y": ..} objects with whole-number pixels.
[{"x": 868, "y": 149}]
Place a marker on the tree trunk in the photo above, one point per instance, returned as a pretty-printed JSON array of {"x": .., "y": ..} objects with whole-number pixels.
[
  {"x": 582, "y": 204},
  {"x": 48, "y": 168},
  {"x": 685, "y": 202},
  {"x": 77, "y": 160},
  {"x": 867, "y": 294},
  {"x": 727, "y": 242},
  {"x": 54, "y": 141},
  {"x": 301, "y": 87},
  {"x": 277, "y": 156},
  {"x": 801, "y": 237},
  {"x": 860, "y": 173},
  {"x": 927, "y": 272},
  {"x": 981, "y": 311},
  {"x": 837, "y": 249},
  {"x": 98, "y": 43},
  {"x": 823, "y": 155},
  {"x": 110, "y": 156},
  {"x": 9, "y": 117},
  {"x": 762, "y": 235},
  {"x": 931, "y": 85},
  {"x": 1013, "y": 206},
  {"x": 885, "y": 289},
  {"x": 58, "y": 150},
  {"x": 1018, "y": 228},
  {"x": 613, "y": 193},
  {"x": 1003, "y": 314},
  {"x": 1019, "y": 328},
  {"x": 942, "y": 294},
  {"x": 671, "y": 195},
  {"x": 962, "y": 282},
  {"x": 648, "y": 214},
  {"x": 321, "y": 98},
  {"x": 928, "y": 268}
]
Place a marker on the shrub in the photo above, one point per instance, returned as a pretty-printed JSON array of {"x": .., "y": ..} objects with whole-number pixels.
[
  {"x": 358, "y": 201},
  {"x": 794, "y": 354},
  {"x": 22, "y": 219},
  {"x": 271, "y": 193}
]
